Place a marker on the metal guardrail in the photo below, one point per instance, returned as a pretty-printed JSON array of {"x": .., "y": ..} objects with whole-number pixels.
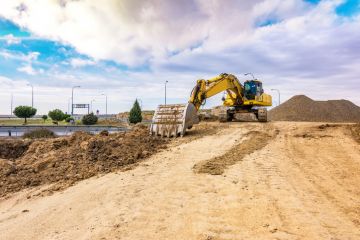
[{"x": 17, "y": 131}]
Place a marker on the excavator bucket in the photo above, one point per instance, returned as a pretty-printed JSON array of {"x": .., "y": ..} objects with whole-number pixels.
[{"x": 172, "y": 120}]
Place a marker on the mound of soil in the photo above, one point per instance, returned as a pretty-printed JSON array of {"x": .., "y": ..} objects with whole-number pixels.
[
  {"x": 303, "y": 108},
  {"x": 69, "y": 159},
  {"x": 13, "y": 148},
  {"x": 355, "y": 131}
]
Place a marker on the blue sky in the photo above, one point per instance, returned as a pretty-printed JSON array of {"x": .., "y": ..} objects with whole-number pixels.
[{"x": 128, "y": 49}]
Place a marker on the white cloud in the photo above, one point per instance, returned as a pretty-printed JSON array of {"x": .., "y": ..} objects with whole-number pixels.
[
  {"x": 28, "y": 69},
  {"x": 79, "y": 62},
  {"x": 309, "y": 50},
  {"x": 11, "y": 39}
]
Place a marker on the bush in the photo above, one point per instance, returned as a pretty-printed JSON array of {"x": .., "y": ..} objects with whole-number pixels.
[
  {"x": 68, "y": 119},
  {"x": 66, "y": 116},
  {"x": 89, "y": 119},
  {"x": 57, "y": 115},
  {"x": 135, "y": 113},
  {"x": 24, "y": 112},
  {"x": 39, "y": 133},
  {"x": 44, "y": 117}
]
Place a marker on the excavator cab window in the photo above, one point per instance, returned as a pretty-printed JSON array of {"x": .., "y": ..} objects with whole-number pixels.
[{"x": 252, "y": 89}]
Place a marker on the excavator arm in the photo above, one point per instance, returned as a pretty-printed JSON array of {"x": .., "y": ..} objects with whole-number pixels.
[{"x": 207, "y": 88}]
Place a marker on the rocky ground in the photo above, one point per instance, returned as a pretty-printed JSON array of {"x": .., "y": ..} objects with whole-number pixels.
[{"x": 279, "y": 180}]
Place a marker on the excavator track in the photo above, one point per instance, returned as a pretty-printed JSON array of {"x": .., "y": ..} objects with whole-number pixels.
[{"x": 262, "y": 115}]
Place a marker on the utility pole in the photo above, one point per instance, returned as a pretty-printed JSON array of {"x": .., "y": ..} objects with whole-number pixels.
[
  {"x": 278, "y": 91},
  {"x": 32, "y": 94},
  {"x": 72, "y": 99},
  {"x": 165, "y": 90}
]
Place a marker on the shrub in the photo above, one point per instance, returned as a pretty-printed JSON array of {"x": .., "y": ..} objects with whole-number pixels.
[
  {"x": 24, "y": 112},
  {"x": 135, "y": 113},
  {"x": 68, "y": 119},
  {"x": 39, "y": 133},
  {"x": 89, "y": 119},
  {"x": 57, "y": 115},
  {"x": 44, "y": 117}
]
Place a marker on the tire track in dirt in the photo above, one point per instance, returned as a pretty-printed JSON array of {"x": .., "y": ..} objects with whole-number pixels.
[{"x": 253, "y": 141}]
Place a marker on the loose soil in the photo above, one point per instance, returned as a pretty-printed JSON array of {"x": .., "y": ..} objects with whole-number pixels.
[
  {"x": 67, "y": 160},
  {"x": 303, "y": 108},
  {"x": 293, "y": 188},
  {"x": 13, "y": 148}
]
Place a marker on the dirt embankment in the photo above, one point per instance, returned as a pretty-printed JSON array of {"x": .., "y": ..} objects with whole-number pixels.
[
  {"x": 303, "y": 108},
  {"x": 69, "y": 159}
]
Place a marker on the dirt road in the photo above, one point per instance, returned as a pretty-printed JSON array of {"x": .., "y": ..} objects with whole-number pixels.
[{"x": 303, "y": 184}]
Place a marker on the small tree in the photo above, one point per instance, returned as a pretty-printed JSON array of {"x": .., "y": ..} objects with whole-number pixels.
[
  {"x": 24, "y": 112},
  {"x": 44, "y": 117},
  {"x": 135, "y": 113},
  {"x": 57, "y": 115},
  {"x": 89, "y": 119}
]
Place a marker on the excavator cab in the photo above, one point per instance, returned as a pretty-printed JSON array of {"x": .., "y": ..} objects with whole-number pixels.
[{"x": 252, "y": 89}]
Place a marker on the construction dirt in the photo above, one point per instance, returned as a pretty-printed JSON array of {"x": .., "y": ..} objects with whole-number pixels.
[
  {"x": 67, "y": 160},
  {"x": 253, "y": 141},
  {"x": 277, "y": 180},
  {"x": 302, "y": 108}
]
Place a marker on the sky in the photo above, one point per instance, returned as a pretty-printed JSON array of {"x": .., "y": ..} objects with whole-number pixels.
[{"x": 128, "y": 49}]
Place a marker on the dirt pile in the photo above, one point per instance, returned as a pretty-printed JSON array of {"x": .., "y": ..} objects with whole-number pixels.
[
  {"x": 254, "y": 141},
  {"x": 355, "y": 131},
  {"x": 69, "y": 159},
  {"x": 303, "y": 108},
  {"x": 13, "y": 148}
]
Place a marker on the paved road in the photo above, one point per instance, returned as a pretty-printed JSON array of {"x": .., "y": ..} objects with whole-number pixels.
[{"x": 59, "y": 130}]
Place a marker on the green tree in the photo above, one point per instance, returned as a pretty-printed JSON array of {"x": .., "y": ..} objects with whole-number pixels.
[
  {"x": 57, "y": 115},
  {"x": 44, "y": 117},
  {"x": 24, "y": 112},
  {"x": 135, "y": 113},
  {"x": 89, "y": 119}
]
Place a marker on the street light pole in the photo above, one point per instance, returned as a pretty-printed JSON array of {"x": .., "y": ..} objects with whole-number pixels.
[
  {"x": 32, "y": 94},
  {"x": 278, "y": 91},
  {"x": 250, "y": 74},
  {"x": 91, "y": 105},
  {"x": 11, "y": 105},
  {"x": 72, "y": 99},
  {"x": 165, "y": 90},
  {"x": 106, "y": 104}
]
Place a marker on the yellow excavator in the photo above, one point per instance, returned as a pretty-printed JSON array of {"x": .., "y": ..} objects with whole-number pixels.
[{"x": 241, "y": 103}]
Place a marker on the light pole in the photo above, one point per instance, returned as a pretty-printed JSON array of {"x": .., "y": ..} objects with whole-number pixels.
[
  {"x": 165, "y": 90},
  {"x": 91, "y": 105},
  {"x": 250, "y": 74},
  {"x": 103, "y": 94},
  {"x": 278, "y": 91},
  {"x": 72, "y": 99},
  {"x": 32, "y": 94},
  {"x": 11, "y": 104}
]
